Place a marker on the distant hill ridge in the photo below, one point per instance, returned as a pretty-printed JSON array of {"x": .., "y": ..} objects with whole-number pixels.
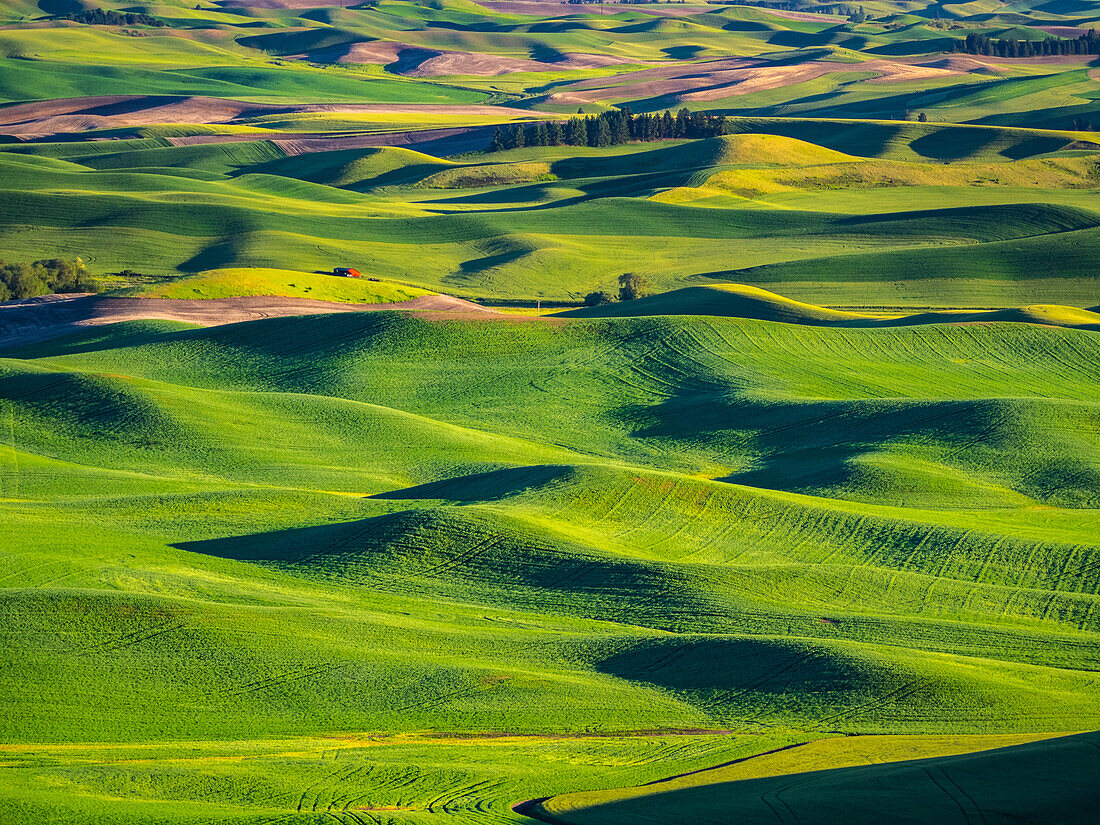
[{"x": 741, "y": 301}]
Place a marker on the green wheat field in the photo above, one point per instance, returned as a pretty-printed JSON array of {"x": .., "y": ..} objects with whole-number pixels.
[{"x": 800, "y": 527}]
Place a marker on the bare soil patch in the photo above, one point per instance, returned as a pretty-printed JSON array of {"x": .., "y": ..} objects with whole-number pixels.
[
  {"x": 811, "y": 16},
  {"x": 37, "y": 319},
  {"x": 728, "y": 77},
  {"x": 71, "y": 115},
  {"x": 418, "y": 61},
  {"x": 1064, "y": 31},
  {"x": 438, "y": 142},
  {"x": 551, "y": 9}
]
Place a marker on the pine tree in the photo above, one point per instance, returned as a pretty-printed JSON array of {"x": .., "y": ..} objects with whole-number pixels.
[
  {"x": 628, "y": 125},
  {"x": 556, "y": 134},
  {"x": 603, "y": 132},
  {"x": 576, "y": 133},
  {"x": 680, "y": 130},
  {"x": 620, "y": 128},
  {"x": 590, "y": 129}
]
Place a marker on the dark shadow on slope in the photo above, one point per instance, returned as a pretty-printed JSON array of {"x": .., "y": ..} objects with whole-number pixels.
[
  {"x": 89, "y": 406},
  {"x": 480, "y": 556},
  {"x": 683, "y": 52},
  {"x": 745, "y": 26},
  {"x": 815, "y": 447},
  {"x": 760, "y": 680},
  {"x": 410, "y": 59},
  {"x": 63, "y": 7},
  {"x": 799, "y": 40},
  {"x": 475, "y": 266},
  {"x": 926, "y": 45},
  {"x": 99, "y": 338},
  {"x": 1051, "y": 782},
  {"x": 494, "y": 485}
]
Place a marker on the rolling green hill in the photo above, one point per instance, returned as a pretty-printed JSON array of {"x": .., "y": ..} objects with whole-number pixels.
[
  {"x": 557, "y": 222},
  {"x": 739, "y": 301},
  {"x": 537, "y": 527},
  {"x": 810, "y": 534},
  {"x": 231, "y": 283}
]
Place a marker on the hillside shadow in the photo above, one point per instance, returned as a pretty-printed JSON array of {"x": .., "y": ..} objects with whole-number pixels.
[
  {"x": 493, "y": 485},
  {"x": 746, "y": 26},
  {"x": 910, "y": 47},
  {"x": 695, "y": 665},
  {"x": 279, "y": 548},
  {"x": 807, "y": 447},
  {"x": 409, "y": 59},
  {"x": 63, "y": 7},
  {"x": 545, "y": 54},
  {"x": 475, "y": 266},
  {"x": 1045, "y": 782},
  {"x": 120, "y": 335},
  {"x": 481, "y": 557},
  {"x": 799, "y": 40},
  {"x": 954, "y": 144},
  {"x": 683, "y": 52}
]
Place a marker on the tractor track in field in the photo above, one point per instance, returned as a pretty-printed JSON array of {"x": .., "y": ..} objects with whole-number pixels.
[
  {"x": 437, "y": 142},
  {"x": 530, "y": 807}
]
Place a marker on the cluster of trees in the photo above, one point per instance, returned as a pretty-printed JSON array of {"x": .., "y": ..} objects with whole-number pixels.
[
  {"x": 99, "y": 17},
  {"x": 609, "y": 128},
  {"x": 1088, "y": 43},
  {"x": 21, "y": 280},
  {"x": 628, "y": 2},
  {"x": 631, "y": 286}
]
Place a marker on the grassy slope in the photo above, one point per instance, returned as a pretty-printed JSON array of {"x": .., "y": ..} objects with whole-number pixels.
[
  {"x": 740, "y": 301},
  {"x": 208, "y": 435},
  {"x": 543, "y": 547},
  {"x": 570, "y": 228},
  {"x": 407, "y": 779},
  {"x": 230, "y": 283}
]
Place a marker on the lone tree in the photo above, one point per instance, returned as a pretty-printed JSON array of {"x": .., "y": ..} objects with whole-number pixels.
[
  {"x": 595, "y": 299},
  {"x": 631, "y": 286}
]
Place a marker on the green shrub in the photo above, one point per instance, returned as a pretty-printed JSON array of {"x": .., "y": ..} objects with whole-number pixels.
[
  {"x": 595, "y": 299},
  {"x": 22, "y": 280}
]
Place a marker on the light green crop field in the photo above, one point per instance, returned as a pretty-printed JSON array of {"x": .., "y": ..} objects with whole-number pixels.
[
  {"x": 808, "y": 534},
  {"x": 320, "y": 286}
]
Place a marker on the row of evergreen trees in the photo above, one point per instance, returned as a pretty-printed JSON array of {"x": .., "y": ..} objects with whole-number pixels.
[
  {"x": 610, "y": 128},
  {"x": 1088, "y": 43},
  {"x": 100, "y": 17}
]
